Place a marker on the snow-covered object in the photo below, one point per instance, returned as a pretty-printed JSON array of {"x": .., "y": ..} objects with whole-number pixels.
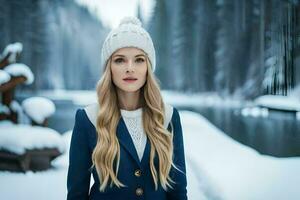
[
  {"x": 236, "y": 171},
  {"x": 19, "y": 69},
  {"x": 4, "y": 77},
  {"x": 4, "y": 109},
  {"x": 255, "y": 112},
  {"x": 38, "y": 108},
  {"x": 14, "y": 49},
  {"x": 278, "y": 102},
  {"x": 6, "y": 123},
  {"x": 18, "y": 138},
  {"x": 15, "y": 106}
]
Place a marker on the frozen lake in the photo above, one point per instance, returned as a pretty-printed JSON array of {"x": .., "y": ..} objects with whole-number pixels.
[{"x": 274, "y": 135}]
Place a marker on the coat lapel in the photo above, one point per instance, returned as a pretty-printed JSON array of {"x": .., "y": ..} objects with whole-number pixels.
[{"x": 126, "y": 141}]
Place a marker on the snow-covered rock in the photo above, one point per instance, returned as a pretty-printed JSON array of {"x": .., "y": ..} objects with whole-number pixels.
[
  {"x": 278, "y": 102},
  {"x": 14, "y": 49},
  {"x": 4, "y": 77},
  {"x": 16, "y": 138},
  {"x": 19, "y": 69},
  {"x": 38, "y": 108}
]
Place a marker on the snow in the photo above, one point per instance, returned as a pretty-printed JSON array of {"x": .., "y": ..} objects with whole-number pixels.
[
  {"x": 110, "y": 12},
  {"x": 4, "y": 109},
  {"x": 295, "y": 93},
  {"x": 32, "y": 107},
  {"x": 239, "y": 171},
  {"x": 85, "y": 97},
  {"x": 19, "y": 69},
  {"x": 202, "y": 99},
  {"x": 16, "y": 138},
  {"x": 15, "y": 106},
  {"x": 279, "y": 102},
  {"x": 255, "y": 112},
  {"x": 14, "y": 49},
  {"x": 4, "y": 77},
  {"x": 271, "y": 61},
  {"x": 218, "y": 167}
]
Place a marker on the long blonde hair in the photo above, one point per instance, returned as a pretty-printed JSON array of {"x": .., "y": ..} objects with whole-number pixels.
[{"x": 107, "y": 150}]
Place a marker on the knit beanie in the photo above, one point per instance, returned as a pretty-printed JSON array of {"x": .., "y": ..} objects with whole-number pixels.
[{"x": 129, "y": 33}]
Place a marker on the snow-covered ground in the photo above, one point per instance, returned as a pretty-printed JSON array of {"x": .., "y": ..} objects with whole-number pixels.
[
  {"x": 217, "y": 168},
  {"x": 279, "y": 102}
]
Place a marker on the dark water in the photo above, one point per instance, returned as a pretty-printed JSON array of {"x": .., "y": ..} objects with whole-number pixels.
[{"x": 277, "y": 135}]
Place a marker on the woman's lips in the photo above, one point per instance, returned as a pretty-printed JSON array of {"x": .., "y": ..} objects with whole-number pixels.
[{"x": 129, "y": 80}]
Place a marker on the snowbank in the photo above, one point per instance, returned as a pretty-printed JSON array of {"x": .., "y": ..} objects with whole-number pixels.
[
  {"x": 19, "y": 69},
  {"x": 278, "y": 102},
  {"x": 16, "y": 138},
  {"x": 238, "y": 171}
]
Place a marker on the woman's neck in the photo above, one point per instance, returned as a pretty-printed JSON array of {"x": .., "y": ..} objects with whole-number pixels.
[{"x": 129, "y": 100}]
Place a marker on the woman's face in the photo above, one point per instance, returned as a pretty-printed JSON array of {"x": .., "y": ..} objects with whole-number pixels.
[{"x": 129, "y": 69}]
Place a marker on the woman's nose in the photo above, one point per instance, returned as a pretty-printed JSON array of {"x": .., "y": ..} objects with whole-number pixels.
[{"x": 130, "y": 65}]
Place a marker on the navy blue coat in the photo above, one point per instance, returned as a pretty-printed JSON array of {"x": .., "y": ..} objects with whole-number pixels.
[{"x": 133, "y": 173}]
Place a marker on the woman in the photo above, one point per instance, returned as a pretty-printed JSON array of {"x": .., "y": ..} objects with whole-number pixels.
[{"x": 130, "y": 140}]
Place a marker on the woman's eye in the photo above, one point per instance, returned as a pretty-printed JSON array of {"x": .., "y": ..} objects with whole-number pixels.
[
  {"x": 140, "y": 60},
  {"x": 119, "y": 60}
]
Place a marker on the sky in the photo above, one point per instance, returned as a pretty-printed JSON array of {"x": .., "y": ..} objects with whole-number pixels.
[{"x": 110, "y": 12}]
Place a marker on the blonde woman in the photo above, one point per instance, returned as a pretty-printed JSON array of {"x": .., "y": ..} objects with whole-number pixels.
[{"x": 130, "y": 140}]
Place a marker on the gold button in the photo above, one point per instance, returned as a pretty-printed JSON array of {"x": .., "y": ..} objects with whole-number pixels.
[
  {"x": 139, "y": 191},
  {"x": 137, "y": 173}
]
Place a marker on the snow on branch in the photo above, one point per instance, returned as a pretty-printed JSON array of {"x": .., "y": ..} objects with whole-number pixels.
[
  {"x": 13, "y": 50},
  {"x": 4, "y": 77},
  {"x": 32, "y": 107},
  {"x": 19, "y": 69}
]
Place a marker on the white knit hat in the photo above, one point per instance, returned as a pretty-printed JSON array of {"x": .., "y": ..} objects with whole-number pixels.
[{"x": 129, "y": 33}]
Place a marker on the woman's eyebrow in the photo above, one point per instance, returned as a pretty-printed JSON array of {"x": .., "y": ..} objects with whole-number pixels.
[
  {"x": 139, "y": 55},
  {"x": 119, "y": 55}
]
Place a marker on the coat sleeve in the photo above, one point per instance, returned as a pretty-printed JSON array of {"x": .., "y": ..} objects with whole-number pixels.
[
  {"x": 78, "y": 179},
  {"x": 179, "y": 191}
]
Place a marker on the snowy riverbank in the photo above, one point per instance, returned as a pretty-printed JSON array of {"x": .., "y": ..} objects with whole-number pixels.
[{"x": 217, "y": 168}]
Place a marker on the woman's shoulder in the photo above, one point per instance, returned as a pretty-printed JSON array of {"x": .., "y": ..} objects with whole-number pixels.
[{"x": 91, "y": 111}]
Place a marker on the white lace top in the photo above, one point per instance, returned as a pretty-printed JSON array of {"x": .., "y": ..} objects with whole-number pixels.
[{"x": 134, "y": 124}]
